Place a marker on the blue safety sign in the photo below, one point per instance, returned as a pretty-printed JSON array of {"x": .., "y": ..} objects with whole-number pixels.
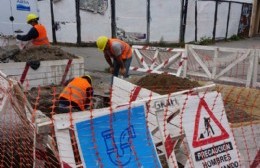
[
  {"x": 23, "y": 5},
  {"x": 121, "y": 139}
]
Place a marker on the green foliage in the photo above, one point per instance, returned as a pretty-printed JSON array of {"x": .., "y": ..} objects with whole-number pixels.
[
  {"x": 235, "y": 37},
  {"x": 205, "y": 41}
]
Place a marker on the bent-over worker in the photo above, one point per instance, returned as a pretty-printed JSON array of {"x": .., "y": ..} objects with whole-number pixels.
[
  {"x": 118, "y": 51},
  {"x": 37, "y": 34},
  {"x": 78, "y": 93}
]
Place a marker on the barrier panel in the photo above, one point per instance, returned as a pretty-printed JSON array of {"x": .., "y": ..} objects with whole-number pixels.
[
  {"x": 221, "y": 64},
  {"x": 207, "y": 126},
  {"x": 157, "y": 59},
  {"x": 256, "y": 71}
]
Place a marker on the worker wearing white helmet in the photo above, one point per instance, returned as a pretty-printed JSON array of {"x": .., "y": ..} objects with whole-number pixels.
[
  {"x": 37, "y": 33},
  {"x": 118, "y": 54}
]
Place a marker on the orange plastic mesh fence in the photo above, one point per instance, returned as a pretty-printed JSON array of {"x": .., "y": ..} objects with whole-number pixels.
[{"x": 25, "y": 145}]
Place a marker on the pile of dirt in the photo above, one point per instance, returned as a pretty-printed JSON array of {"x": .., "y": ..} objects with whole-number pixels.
[
  {"x": 244, "y": 110},
  {"x": 40, "y": 53},
  {"x": 165, "y": 83}
]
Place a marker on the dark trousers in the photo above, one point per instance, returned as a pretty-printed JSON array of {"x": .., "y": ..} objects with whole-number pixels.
[{"x": 116, "y": 65}]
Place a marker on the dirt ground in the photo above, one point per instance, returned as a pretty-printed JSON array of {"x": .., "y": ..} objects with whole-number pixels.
[
  {"x": 239, "y": 106},
  {"x": 40, "y": 53},
  {"x": 165, "y": 83},
  {"x": 236, "y": 108}
]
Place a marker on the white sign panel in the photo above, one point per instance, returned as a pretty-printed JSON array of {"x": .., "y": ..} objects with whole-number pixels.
[
  {"x": 210, "y": 139},
  {"x": 104, "y": 140}
]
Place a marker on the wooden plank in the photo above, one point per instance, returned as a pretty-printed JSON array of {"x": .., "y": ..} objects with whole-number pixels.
[
  {"x": 250, "y": 69},
  {"x": 214, "y": 66},
  {"x": 233, "y": 64},
  {"x": 256, "y": 68},
  {"x": 197, "y": 58},
  {"x": 122, "y": 91},
  {"x": 141, "y": 59},
  {"x": 65, "y": 147},
  {"x": 197, "y": 74},
  {"x": 232, "y": 80},
  {"x": 154, "y": 58},
  {"x": 150, "y": 71},
  {"x": 185, "y": 66},
  {"x": 221, "y": 49},
  {"x": 168, "y": 62}
]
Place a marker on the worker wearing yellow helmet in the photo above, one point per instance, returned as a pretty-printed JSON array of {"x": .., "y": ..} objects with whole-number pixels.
[
  {"x": 118, "y": 55},
  {"x": 78, "y": 93},
  {"x": 37, "y": 34}
]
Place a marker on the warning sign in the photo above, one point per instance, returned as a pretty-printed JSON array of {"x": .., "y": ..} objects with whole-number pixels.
[{"x": 208, "y": 133}]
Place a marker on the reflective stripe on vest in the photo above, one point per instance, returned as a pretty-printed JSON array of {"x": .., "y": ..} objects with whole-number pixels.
[
  {"x": 42, "y": 39},
  {"x": 76, "y": 91},
  {"x": 127, "y": 50}
]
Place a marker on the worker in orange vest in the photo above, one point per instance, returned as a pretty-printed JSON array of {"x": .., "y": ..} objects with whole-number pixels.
[
  {"x": 118, "y": 51},
  {"x": 37, "y": 33},
  {"x": 78, "y": 93}
]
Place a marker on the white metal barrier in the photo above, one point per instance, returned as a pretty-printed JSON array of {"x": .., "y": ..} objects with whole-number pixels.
[
  {"x": 256, "y": 71},
  {"x": 220, "y": 64},
  {"x": 157, "y": 59}
]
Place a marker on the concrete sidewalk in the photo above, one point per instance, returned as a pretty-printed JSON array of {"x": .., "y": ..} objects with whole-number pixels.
[{"x": 253, "y": 43}]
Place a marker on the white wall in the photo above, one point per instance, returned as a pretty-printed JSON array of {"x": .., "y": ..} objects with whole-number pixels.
[
  {"x": 235, "y": 13},
  {"x": 165, "y": 20},
  {"x": 221, "y": 26},
  {"x": 6, "y": 24},
  {"x": 190, "y": 22},
  {"x": 131, "y": 19},
  {"x": 45, "y": 17},
  {"x": 94, "y": 24},
  {"x": 19, "y": 10},
  {"x": 65, "y": 15},
  {"x": 206, "y": 12}
]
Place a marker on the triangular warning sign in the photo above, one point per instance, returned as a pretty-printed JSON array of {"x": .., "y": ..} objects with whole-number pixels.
[{"x": 199, "y": 140}]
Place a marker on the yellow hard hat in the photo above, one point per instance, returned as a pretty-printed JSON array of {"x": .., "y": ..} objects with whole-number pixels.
[
  {"x": 31, "y": 17},
  {"x": 102, "y": 42},
  {"x": 88, "y": 77}
]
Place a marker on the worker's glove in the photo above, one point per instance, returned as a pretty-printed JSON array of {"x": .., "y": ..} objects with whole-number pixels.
[
  {"x": 111, "y": 69},
  {"x": 122, "y": 71}
]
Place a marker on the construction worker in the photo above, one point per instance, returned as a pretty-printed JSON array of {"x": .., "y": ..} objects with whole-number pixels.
[
  {"x": 118, "y": 51},
  {"x": 78, "y": 93},
  {"x": 37, "y": 34}
]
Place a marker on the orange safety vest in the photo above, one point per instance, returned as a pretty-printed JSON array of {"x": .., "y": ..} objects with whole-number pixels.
[
  {"x": 42, "y": 39},
  {"x": 127, "y": 50},
  {"x": 76, "y": 91}
]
